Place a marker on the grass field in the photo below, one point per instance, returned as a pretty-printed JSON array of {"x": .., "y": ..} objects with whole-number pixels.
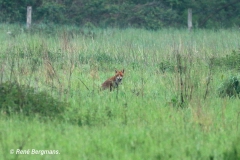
[{"x": 167, "y": 107}]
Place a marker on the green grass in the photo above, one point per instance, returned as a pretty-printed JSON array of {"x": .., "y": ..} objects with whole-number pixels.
[{"x": 145, "y": 118}]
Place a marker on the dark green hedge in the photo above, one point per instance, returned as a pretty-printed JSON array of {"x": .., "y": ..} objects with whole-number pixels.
[
  {"x": 21, "y": 99},
  {"x": 150, "y": 14}
]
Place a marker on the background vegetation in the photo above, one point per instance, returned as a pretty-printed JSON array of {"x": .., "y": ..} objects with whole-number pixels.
[
  {"x": 179, "y": 97},
  {"x": 124, "y": 13}
]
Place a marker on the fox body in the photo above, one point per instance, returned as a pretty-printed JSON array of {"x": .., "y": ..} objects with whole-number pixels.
[{"x": 114, "y": 81}]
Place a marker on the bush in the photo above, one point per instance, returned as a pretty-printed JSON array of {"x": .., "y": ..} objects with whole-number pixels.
[
  {"x": 15, "y": 98},
  {"x": 231, "y": 61},
  {"x": 234, "y": 152},
  {"x": 165, "y": 66},
  {"x": 230, "y": 88}
]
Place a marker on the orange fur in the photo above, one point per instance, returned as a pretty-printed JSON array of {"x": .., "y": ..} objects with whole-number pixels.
[{"x": 114, "y": 81}]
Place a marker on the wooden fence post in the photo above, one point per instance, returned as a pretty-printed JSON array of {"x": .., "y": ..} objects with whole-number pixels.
[
  {"x": 189, "y": 19},
  {"x": 29, "y": 16}
]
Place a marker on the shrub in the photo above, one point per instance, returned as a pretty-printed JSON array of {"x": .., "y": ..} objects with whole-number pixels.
[
  {"x": 230, "y": 88},
  {"x": 15, "y": 98},
  {"x": 231, "y": 61},
  {"x": 165, "y": 66},
  {"x": 234, "y": 152}
]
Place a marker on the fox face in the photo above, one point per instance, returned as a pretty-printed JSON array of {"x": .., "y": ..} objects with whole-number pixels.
[
  {"x": 114, "y": 81},
  {"x": 119, "y": 76}
]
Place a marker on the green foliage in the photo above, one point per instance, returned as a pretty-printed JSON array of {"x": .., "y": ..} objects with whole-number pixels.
[
  {"x": 135, "y": 65},
  {"x": 166, "y": 66},
  {"x": 21, "y": 99},
  {"x": 104, "y": 13},
  {"x": 103, "y": 58},
  {"x": 234, "y": 152},
  {"x": 51, "y": 12},
  {"x": 230, "y": 88},
  {"x": 231, "y": 61},
  {"x": 142, "y": 120},
  {"x": 100, "y": 58},
  {"x": 94, "y": 114},
  {"x": 151, "y": 16}
]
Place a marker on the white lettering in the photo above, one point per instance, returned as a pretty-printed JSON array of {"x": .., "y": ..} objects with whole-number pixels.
[
  {"x": 43, "y": 152},
  {"x": 19, "y": 151}
]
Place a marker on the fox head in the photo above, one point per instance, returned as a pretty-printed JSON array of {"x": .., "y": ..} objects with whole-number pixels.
[{"x": 119, "y": 76}]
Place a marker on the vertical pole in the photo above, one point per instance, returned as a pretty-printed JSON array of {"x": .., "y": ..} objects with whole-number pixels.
[
  {"x": 189, "y": 19},
  {"x": 29, "y": 16}
]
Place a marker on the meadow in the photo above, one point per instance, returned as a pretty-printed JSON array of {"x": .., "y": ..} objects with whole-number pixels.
[{"x": 167, "y": 107}]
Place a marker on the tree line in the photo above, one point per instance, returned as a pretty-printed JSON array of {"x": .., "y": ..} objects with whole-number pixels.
[{"x": 149, "y": 14}]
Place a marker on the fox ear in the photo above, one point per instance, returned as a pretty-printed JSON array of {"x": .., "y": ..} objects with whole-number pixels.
[
  {"x": 123, "y": 70},
  {"x": 116, "y": 71}
]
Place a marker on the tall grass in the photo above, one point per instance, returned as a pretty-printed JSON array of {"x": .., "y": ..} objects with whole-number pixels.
[{"x": 146, "y": 118}]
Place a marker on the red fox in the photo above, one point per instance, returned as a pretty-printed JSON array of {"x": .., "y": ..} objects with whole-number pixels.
[{"x": 114, "y": 81}]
